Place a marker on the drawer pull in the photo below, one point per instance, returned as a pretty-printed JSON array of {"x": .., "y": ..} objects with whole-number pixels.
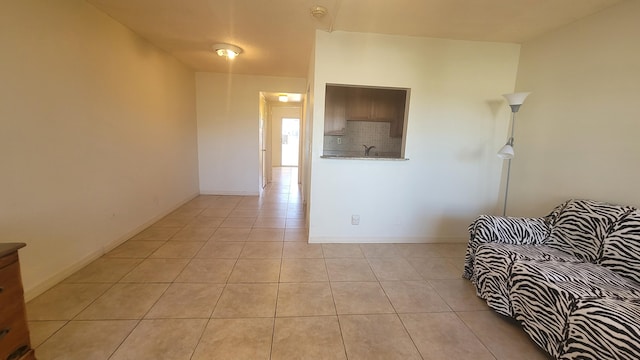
[
  {"x": 18, "y": 352},
  {"x": 4, "y": 332},
  {"x": 1, "y": 289}
]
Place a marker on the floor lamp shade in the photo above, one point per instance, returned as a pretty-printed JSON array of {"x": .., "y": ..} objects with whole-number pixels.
[
  {"x": 516, "y": 99},
  {"x": 506, "y": 152}
]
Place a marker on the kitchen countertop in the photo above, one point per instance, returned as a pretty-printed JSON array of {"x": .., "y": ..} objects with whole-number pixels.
[{"x": 347, "y": 157}]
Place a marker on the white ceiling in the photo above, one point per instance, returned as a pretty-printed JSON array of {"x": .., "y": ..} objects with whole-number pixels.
[{"x": 277, "y": 35}]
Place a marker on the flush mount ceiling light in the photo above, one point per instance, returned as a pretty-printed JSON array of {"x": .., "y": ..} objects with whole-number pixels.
[
  {"x": 227, "y": 50},
  {"x": 283, "y": 98}
]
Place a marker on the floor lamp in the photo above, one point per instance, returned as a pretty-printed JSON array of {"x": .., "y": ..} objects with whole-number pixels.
[{"x": 506, "y": 152}]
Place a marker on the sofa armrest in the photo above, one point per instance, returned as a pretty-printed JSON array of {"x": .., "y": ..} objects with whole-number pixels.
[{"x": 508, "y": 230}]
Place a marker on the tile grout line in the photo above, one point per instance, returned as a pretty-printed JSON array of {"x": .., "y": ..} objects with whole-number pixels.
[
  {"x": 335, "y": 307},
  {"x": 164, "y": 292},
  {"x": 486, "y": 346},
  {"x": 275, "y": 308},
  {"x": 396, "y": 312}
]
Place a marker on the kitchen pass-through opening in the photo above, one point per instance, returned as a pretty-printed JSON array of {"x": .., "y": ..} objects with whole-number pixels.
[{"x": 365, "y": 122}]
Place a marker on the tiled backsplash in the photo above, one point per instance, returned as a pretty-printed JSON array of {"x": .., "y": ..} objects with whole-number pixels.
[{"x": 358, "y": 133}]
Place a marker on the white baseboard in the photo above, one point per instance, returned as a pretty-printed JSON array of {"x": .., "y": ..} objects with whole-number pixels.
[
  {"x": 385, "y": 240},
  {"x": 234, "y": 193},
  {"x": 51, "y": 281},
  {"x": 56, "y": 278},
  {"x": 128, "y": 235}
]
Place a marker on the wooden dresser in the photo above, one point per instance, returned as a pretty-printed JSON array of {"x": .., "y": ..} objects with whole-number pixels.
[{"x": 14, "y": 333}]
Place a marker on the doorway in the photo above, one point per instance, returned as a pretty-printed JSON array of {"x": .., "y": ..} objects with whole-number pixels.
[
  {"x": 281, "y": 129},
  {"x": 290, "y": 142}
]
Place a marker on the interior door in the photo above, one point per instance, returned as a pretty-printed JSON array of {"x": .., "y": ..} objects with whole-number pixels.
[
  {"x": 263, "y": 143},
  {"x": 263, "y": 155}
]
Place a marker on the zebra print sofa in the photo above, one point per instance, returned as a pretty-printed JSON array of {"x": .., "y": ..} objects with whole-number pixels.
[{"x": 571, "y": 278}]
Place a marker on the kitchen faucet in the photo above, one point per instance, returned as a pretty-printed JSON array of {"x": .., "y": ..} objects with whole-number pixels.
[{"x": 367, "y": 149}]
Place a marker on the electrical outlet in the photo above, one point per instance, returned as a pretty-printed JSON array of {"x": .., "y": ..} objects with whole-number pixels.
[
  {"x": 339, "y": 140},
  {"x": 355, "y": 219}
]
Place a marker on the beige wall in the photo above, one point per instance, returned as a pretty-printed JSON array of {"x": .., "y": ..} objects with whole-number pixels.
[
  {"x": 577, "y": 133},
  {"x": 306, "y": 140},
  {"x": 228, "y": 129},
  {"x": 457, "y": 120},
  {"x": 97, "y": 135}
]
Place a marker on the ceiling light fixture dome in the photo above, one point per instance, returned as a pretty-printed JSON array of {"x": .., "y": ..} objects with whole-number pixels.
[
  {"x": 227, "y": 50},
  {"x": 318, "y": 11}
]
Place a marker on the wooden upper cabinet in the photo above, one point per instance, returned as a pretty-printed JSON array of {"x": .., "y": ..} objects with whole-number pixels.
[
  {"x": 335, "y": 120},
  {"x": 396, "y": 111},
  {"x": 369, "y": 104},
  {"x": 397, "y": 128},
  {"x": 360, "y": 104},
  {"x": 388, "y": 105}
]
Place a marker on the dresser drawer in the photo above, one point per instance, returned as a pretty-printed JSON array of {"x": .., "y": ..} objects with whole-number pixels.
[
  {"x": 30, "y": 355},
  {"x": 11, "y": 293},
  {"x": 8, "y": 259},
  {"x": 14, "y": 333}
]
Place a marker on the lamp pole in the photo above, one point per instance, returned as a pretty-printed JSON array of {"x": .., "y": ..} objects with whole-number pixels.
[
  {"x": 510, "y": 142},
  {"x": 506, "y": 152}
]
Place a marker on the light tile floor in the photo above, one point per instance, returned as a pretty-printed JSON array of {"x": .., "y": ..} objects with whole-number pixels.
[{"x": 232, "y": 277}]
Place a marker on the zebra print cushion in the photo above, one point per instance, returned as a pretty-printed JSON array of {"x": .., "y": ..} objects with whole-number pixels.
[
  {"x": 553, "y": 215},
  {"x": 493, "y": 265},
  {"x": 581, "y": 227},
  {"x": 621, "y": 249},
  {"x": 545, "y": 295},
  {"x": 509, "y": 230},
  {"x": 603, "y": 329}
]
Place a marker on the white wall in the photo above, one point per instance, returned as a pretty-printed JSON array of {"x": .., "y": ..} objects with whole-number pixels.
[
  {"x": 306, "y": 141},
  {"x": 228, "y": 126},
  {"x": 577, "y": 133},
  {"x": 97, "y": 135},
  {"x": 457, "y": 121}
]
